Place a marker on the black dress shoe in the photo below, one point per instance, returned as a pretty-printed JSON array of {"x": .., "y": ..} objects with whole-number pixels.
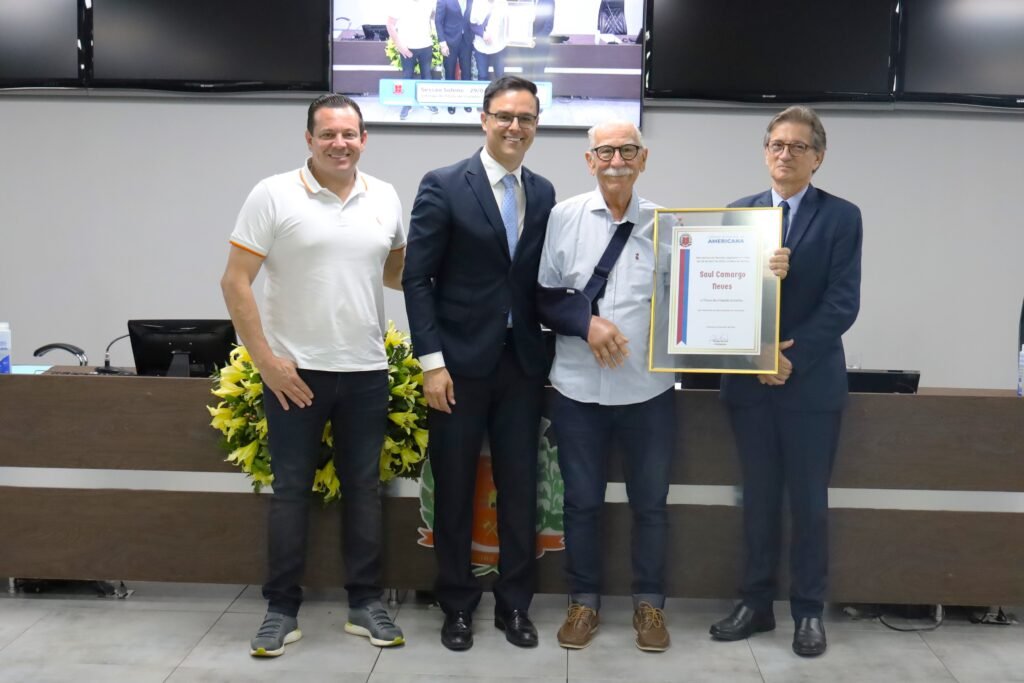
[
  {"x": 457, "y": 632},
  {"x": 518, "y": 628},
  {"x": 809, "y": 637},
  {"x": 742, "y": 623}
]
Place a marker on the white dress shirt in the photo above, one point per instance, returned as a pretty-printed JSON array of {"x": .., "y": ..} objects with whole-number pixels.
[{"x": 579, "y": 230}]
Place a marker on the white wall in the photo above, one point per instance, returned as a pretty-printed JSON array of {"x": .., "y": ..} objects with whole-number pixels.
[{"x": 118, "y": 208}]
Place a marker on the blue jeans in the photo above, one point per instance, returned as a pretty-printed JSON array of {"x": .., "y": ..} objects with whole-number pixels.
[
  {"x": 484, "y": 63},
  {"x": 422, "y": 56},
  {"x": 356, "y": 403},
  {"x": 645, "y": 434}
]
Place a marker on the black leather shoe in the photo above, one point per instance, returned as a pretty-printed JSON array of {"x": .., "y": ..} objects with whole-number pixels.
[
  {"x": 457, "y": 632},
  {"x": 809, "y": 637},
  {"x": 742, "y": 623},
  {"x": 518, "y": 628}
]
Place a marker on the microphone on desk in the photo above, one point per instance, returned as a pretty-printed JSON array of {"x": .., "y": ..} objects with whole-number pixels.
[{"x": 106, "y": 369}]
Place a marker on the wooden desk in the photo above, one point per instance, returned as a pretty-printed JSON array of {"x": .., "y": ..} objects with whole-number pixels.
[{"x": 945, "y": 442}]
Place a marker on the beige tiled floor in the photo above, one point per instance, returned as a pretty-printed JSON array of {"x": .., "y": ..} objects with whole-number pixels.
[{"x": 199, "y": 633}]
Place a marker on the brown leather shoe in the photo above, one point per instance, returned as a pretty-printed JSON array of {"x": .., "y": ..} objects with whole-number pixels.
[
  {"x": 579, "y": 628},
  {"x": 649, "y": 624}
]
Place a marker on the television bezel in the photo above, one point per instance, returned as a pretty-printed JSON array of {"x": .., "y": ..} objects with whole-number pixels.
[
  {"x": 84, "y": 58},
  {"x": 769, "y": 98},
  {"x": 182, "y": 85},
  {"x": 996, "y": 101}
]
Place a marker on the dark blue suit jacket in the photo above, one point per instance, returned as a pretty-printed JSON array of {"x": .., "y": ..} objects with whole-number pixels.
[
  {"x": 544, "y": 19},
  {"x": 450, "y": 22},
  {"x": 820, "y": 301},
  {"x": 459, "y": 280}
]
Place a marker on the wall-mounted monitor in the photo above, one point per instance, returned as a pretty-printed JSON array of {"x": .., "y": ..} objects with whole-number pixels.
[
  {"x": 962, "y": 51},
  {"x": 779, "y": 51},
  {"x": 585, "y": 56},
  {"x": 211, "y": 45},
  {"x": 39, "y": 43}
]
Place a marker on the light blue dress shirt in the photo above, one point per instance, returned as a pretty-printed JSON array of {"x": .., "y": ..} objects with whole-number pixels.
[
  {"x": 579, "y": 230},
  {"x": 794, "y": 206}
]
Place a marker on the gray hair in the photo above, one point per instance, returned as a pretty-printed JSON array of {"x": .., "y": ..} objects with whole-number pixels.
[
  {"x": 592, "y": 133},
  {"x": 799, "y": 114}
]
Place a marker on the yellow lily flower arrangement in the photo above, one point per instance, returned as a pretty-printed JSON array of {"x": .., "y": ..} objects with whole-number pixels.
[{"x": 239, "y": 417}]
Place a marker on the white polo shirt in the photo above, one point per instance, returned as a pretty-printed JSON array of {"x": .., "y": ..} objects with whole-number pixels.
[
  {"x": 413, "y": 22},
  {"x": 324, "y": 263}
]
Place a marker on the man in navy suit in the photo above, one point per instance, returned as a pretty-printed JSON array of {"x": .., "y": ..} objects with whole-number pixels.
[
  {"x": 475, "y": 237},
  {"x": 456, "y": 41},
  {"x": 787, "y": 425}
]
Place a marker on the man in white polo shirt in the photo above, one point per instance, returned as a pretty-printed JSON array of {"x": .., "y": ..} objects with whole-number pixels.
[
  {"x": 410, "y": 26},
  {"x": 329, "y": 236}
]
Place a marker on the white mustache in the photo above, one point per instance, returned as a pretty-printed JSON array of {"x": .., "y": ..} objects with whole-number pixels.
[{"x": 617, "y": 172}]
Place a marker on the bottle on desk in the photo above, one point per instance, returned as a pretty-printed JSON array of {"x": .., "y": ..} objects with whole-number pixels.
[
  {"x": 5, "y": 348},
  {"x": 1020, "y": 373}
]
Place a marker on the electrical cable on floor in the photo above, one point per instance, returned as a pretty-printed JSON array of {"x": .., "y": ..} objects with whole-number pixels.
[
  {"x": 940, "y": 616},
  {"x": 869, "y": 612}
]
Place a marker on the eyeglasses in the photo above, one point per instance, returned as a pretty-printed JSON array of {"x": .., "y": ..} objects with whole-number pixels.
[
  {"x": 505, "y": 119},
  {"x": 797, "y": 149},
  {"x": 627, "y": 152}
]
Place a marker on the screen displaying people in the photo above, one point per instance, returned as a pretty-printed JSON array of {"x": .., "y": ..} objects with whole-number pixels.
[{"x": 586, "y": 68}]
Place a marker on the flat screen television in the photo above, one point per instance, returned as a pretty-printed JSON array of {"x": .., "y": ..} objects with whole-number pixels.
[
  {"x": 211, "y": 45},
  {"x": 962, "y": 51},
  {"x": 180, "y": 348},
  {"x": 585, "y": 56},
  {"x": 780, "y": 51},
  {"x": 39, "y": 44}
]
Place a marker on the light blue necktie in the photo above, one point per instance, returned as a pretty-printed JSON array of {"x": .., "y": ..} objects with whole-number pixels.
[
  {"x": 510, "y": 213},
  {"x": 510, "y": 217},
  {"x": 784, "y": 205}
]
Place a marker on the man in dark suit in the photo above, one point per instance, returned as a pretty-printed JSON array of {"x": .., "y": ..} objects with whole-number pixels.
[
  {"x": 787, "y": 425},
  {"x": 456, "y": 41},
  {"x": 475, "y": 237}
]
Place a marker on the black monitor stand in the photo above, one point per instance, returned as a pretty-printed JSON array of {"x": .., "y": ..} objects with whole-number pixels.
[{"x": 181, "y": 361}]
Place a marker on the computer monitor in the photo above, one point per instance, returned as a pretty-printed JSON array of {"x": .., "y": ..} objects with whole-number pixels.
[
  {"x": 883, "y": 381},
  {"x": 180, "y": 348},
  {"x": 859, "y": 381},
  {"x": 375, "y": 32}
]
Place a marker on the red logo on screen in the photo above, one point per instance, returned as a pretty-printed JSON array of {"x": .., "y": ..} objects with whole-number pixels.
[{"x": 397, "y": 90}]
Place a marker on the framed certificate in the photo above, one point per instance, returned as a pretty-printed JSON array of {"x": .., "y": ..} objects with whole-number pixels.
[
  {"x": 715, "y": 306},
  {"x": 519, "y": 28}
]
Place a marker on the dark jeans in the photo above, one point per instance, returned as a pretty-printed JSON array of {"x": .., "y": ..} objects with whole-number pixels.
[
  {"x": 356, "y": 403},
  {"x": 484, "y": 62},
  {"x": 645, "y": 434},
  {"x": 422, "y": 56}
]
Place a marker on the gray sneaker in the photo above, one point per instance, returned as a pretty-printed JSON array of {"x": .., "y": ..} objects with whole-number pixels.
[
  {"x": 373, "y": 622},
  {"x": 276, "y": 631}
]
